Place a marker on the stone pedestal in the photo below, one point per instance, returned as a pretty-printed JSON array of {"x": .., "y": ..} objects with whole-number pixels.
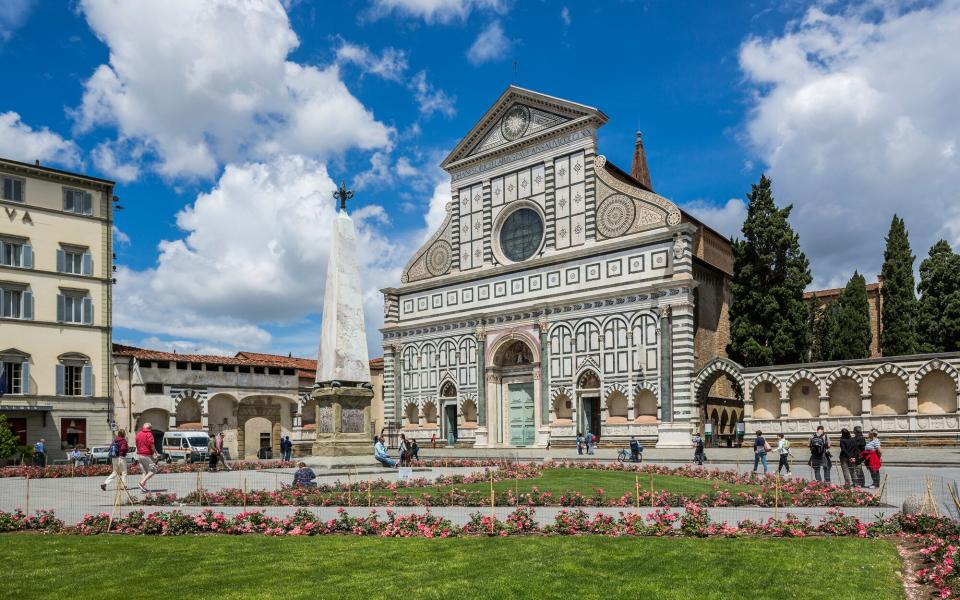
[
  {"x": 344, "y": 437},
  {"x": 480, "y": 438},
  {"x": 675, "y": 435}
]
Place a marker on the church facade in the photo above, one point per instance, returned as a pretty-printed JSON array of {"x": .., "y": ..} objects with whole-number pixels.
[{"x": 560, "y": 295}]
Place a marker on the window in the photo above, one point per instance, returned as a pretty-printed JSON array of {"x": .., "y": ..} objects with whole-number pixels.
[
  {"x": 16, "y": 302},
  {"x": 154, "y": 388},
  {"x": 11, "y": 376},
  {"x": 16, "y": 253},
  {"x": 74, "y": 376},
  {"x": 13, "y": 189},
  {"x": 18, "y": 426},
  {"x": 521, "y": 234},
  {"x": 77, "y": 201},
  {"x": 73, "y": 433},
  {"x": 74, "y": 308},
  {"x": 74, "y": 260}
]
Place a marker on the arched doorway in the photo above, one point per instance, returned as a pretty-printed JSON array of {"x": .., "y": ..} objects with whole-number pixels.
[
  {"x": 513, "y": 364},
  {"x": 717, "y": 388},
  {"x": 189, "y": 413},
  {"x": 258, "y": 437},
  {"x": 448, "y": 404},
  {"x": 158, "y": 418},
  {"x": 588, "y": 388}
]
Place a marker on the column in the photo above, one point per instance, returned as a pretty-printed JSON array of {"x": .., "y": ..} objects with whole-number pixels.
[
  {"x": 784, "y": 407},
  {"x": 824, "y": 406},
  {"x": 481, "y": 336},
  {"x": 666, "y": 368},
  {"x": 544, "y": 372},
  {"x": 298, "y": 416},
  {"x": 389, "y": 382},
  {"x": 866, "y": 405},
  {"x": 681, "y": 360},
  {"x": 398, "y": 384},
  {"x": 911, "y": 403},
  {"x": 631, "y": 387}
]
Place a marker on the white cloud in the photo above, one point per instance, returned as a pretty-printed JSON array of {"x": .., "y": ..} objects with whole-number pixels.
[
  {"x": 119, "y": 237},
  {"x": 13, "y": 14},
  {"x": 390, "y": 65},
  {"x": 437, "y": 211},
  {"x": 431, "y": 100},
  {"x": 726, "y": 219},
  {"x": 565, "y": 16},
  {"x": 203, "y": 83},
  {"x": 21, "y": 142},
  {"x": 491, "y": 44},
  {"x": 435, "y": 11},
  {"x": 856, "y": 116},
  {"x": 254, "y": 252},
  {"x": 105, "y": 158}
]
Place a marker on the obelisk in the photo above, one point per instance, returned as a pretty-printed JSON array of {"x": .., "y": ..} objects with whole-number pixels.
[{"x": 342, "y": 389}]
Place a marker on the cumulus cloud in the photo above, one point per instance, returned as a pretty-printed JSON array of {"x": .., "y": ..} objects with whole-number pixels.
[
  {"x": 726, "y": 219},
  {"x": 435, "y": 11},
  {"x": 13, "y": 14},
  {"x": 254, "y": 251},
  {"x": 491, "y": 44},
  {"x": 390, "y": 64},
  {"x": 21, "y": 142},
  {"x": 565, "y": 16},
  {"x": 218, "y": 89},
  {"x": 105, "y": 157},
  {"x": 855, "y": 115}
]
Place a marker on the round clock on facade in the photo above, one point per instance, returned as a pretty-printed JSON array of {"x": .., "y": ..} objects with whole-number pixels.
[{"x": 515, "y": 122}]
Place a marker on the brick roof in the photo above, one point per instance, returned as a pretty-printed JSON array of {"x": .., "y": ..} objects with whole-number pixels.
[
  {"x": 822, "y": 294},
  {"x": 306, "y": 367},
  {"x": 302, "y": 364}
]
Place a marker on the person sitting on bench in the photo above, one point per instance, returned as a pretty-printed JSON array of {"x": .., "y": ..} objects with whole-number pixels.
[
  {"x": 380, "y": 453},
  {"x": 304, "y": 477}
]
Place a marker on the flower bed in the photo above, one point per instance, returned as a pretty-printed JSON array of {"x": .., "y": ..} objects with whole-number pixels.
[
  {"x": 62, "y": 471},
  {"x": 381, "y": 492}
]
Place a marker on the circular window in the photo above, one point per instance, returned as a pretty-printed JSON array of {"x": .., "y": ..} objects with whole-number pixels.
[{"x": 521, "y": 234}]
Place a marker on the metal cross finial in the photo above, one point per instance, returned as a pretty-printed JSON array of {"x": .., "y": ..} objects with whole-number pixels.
[{"x": 343, "y": 194}]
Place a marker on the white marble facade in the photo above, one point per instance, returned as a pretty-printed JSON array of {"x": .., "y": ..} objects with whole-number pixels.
[{"x": 556, "y": 297}]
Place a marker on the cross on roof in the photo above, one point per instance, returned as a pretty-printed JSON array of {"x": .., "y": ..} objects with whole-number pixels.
[{"x": 343, "y": 194}]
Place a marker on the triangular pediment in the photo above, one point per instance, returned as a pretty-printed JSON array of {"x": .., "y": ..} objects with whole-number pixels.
[{"x": 519, "y": 116}]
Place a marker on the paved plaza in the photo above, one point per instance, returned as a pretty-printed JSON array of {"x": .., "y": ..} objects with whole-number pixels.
[{"x": 71, "y": 498}]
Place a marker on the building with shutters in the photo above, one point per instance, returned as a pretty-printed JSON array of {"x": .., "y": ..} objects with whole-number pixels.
[
  {"x": 560, "y": 294},
  {"x": 56, "y": 269}
]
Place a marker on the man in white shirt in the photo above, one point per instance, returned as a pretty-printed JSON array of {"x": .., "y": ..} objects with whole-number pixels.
[
  {"x": 380, "y": 453},
  {"x": 783, "y": 450}
]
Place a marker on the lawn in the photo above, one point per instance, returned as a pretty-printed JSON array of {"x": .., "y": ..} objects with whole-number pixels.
[
  {"x": 225, "y": 567},
  {"x": 613, "y": 484}
]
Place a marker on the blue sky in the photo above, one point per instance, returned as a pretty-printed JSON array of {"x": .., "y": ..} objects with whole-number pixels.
[{"x": 226, "y": 124}]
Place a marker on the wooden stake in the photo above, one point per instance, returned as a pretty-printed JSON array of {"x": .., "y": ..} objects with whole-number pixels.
[
  {"x": 651, "y": 485},
  {"x": 27, "y": 501},
  {"x": 883, "y": 486},
  {"x": 492, "y": 497},
  {"x": 244, "y": 494},
  {"x": 776, "y": 498},
  {"x": 636, "y": 485},
  {"x": 349, "y": 490},
  {"x": 370, "y": 492},
  {"x": 931, "y": 499}
]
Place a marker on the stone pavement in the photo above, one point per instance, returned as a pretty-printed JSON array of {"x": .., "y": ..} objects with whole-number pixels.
[{"x": 71, "y": 498}]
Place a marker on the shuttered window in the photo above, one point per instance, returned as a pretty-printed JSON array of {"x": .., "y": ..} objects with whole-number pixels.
[
  {"x": 12, "y": 189},
  {"x": 77, "y": 201},
  {"x": 16, "y": 303},
  {"x": 16, "y": 253}
]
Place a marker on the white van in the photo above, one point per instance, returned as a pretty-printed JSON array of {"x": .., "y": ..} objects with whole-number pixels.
[{"x": 190, "y": 446}]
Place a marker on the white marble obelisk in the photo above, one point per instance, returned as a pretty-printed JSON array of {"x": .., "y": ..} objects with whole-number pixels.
[{"x": 343, "y": 339}]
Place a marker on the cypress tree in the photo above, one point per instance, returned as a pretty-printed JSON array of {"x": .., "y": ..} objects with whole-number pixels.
[
  {"x": 938, "y": 315},
  {"x": 825, "y": 330},
  {"x": 769, "y": 319},
  {"x": 898, "y": 315},
  {"x": 853, "y": 335}
]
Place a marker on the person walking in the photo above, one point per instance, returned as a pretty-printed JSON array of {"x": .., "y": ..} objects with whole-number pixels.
[
  {"x": 760, "y": 449},
  {"x": 699, "y": 456},
  {"x": 579, "y": 443},
  {"x": 146, "y": 455},
  {"x": 404, "y": 451},
  {"x": 221, "y": 455},
  {"x": 380, "y": 453},
  {"x": 40, "y": 453},
  {"x": 591, "y": 441},
  {"x": 433, "y": 440},
  {"x": 287, "y": 449},
  {"x": 856, "y": 469},
  {"x": 872, "y": 458},
  {"x": 118, "y": 457},
  {"x": 414, "y": 450},
  {"x": 849, "y": 457},
  {"x": 213, "y": 456},
  {"x": 783, "y": 454},
  {"x": 820, "y": 455}
]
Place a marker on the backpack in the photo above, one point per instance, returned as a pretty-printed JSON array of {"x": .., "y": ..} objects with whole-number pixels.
[
  {"x": 114, "y": 451},
  {"x": 817, "y": 446}
]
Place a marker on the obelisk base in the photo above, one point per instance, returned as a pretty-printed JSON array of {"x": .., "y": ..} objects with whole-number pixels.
[{"x": 344, "y": 435}]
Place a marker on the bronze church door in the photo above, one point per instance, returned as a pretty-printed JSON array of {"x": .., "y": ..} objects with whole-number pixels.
[{"x": 522, "y": 429}]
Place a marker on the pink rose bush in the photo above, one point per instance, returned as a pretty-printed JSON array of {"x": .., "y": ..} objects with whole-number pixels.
[{"x": 62, "y": 471}]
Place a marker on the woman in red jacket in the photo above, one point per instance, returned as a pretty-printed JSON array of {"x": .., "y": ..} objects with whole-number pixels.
[{"x": 871, "y": 458}]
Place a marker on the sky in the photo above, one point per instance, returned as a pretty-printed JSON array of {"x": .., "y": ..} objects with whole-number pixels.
[{"x": 227, "y": 125}]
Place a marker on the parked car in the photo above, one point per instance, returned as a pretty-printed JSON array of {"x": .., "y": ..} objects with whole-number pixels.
[
  {"x": 190, "y": 446},
  {"x": 98, "y": 455}
]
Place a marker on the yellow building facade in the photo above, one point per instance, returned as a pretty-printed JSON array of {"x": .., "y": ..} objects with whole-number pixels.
[{"x": 56, "y": 270}]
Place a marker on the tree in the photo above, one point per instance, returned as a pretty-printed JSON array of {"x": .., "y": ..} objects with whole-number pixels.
[
  {"x": 853, "y": 331},
  {"x": 938, "y": 314},
  {"x": 826, "y": 328},
  {"x": 8, "y": 439},
  {"x": 769, "y": 320},
  {"x": 899, "y": 312}
]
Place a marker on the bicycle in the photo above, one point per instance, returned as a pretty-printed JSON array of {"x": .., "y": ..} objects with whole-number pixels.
[{"x": 624, "y": 455}]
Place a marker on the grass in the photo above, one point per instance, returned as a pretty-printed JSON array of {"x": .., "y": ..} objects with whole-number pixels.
[
  {"x": 613, "y": 483},
  {"x": 534, "y": 567}
]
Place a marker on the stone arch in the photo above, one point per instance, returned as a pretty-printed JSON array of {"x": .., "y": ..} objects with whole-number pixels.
[
  {"x": 222, "y": 418},
  {"x": 713, "y": 370},
  {"x": 562, "y": 406},
  {"x": 839, "y": 372},
  {"x": 468, "y": 411},
  {"x": 888, "y": 393},
  {"x": 503, "y": 343},
  {"x": 588, "y": 379},
  {"x": 258, "y": 432},
  {"x": 805, "y": 374},
  {"x": 936, "y": 388},
  {"x": 645, "y": 405},
  {"x": 766, "y": 377},
  {"x": 616, "y": 407},
  {"x": 885, "y": 369},
  {"x": 448, "y": 388},
  {"x": 430, "y": 414},
  {"x": 844, "y": 389},
  {"x": 412, "y": 413},
  {"x": 158, "y": 418},
  {"x": 189, "y": 412}
]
